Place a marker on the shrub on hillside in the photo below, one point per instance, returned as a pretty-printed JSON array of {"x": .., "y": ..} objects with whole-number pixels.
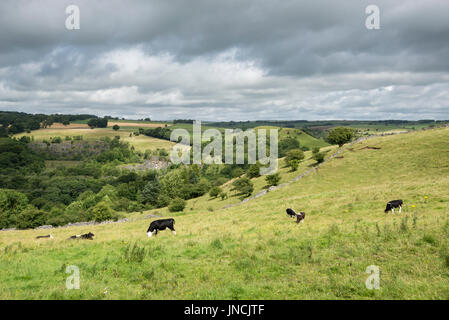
[
  {"x": 295, "y": 154},
  {"x": 237, "y": 172},
  {"x": 56, "y": 140},
  {"x": 273, "y": 179},
  {"x": 215, "y": 191},
  {"x": 243, "y": 186},
  {"x": 318, "y": 157},
  {"x": 103, "y": 212},
  {"x": 293, "y": 164},
  {"x": 177, "y": 205},
  {"x": 253, "y": 171}
]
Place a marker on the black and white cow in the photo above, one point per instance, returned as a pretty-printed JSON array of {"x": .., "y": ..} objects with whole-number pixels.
[
  {"x": 159, "y": 225},
  {"x": 291, "y": 212},
  {"x": 47, "y": 236},
  {"x": 394, "y": 204},
  {"x": 88, "y": 236},
  {"x": 300, "y": 217}
]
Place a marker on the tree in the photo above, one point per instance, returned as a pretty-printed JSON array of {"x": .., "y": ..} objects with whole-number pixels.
[
  {"x": 223, "y": 195},
  {"x": 318, "y": 157},
  {"x": 293, "y": 164},
  {"x": 151, "y": 192},
  {"x": 295, "y": 154},
  {"x": 30, "y": 218},
  {"x": 273, "y": 179},
  {"x": 177, "y": 205},
  {"x": 315, "y": 150},
  {"x": 98, "y": 123},
  {"x": 102, "y": 212},
  {"x": 116, "y": 127},
  {"x": 237, "y": 172},
  {"x": 243, "y": 186},
  {"x": 215, "y": 191},
  {"x": 253, "y": 171},
  {"x": 12, "y": 203},
  {"x": 340, "y": 136}
]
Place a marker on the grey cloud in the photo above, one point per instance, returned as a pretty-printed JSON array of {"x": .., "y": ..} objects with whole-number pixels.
[{"x": 235, "y": 59}]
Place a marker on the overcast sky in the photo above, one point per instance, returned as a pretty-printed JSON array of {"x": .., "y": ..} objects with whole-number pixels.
[{"x": 227, "y": 59}]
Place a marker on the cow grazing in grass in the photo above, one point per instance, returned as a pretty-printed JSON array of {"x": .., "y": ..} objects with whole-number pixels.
[
  {"x": 300, "y": 217},
  {"x": 394, "y": 204},
  {"x": 47, "y": 236},
  {"x": 159, "y": 225},
  {"x": 291, "y": 212},
  {"x": 88, "y": 236}
]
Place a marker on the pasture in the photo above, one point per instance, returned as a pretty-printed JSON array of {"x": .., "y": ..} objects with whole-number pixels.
[
  {"x": 140, "y": 143},
  {"x": 254, "y": 250}
]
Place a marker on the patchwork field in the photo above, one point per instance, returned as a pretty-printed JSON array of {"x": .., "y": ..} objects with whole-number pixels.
[
  {"x": 141, "y": 142},
  {"x": 254, "y": 250}
]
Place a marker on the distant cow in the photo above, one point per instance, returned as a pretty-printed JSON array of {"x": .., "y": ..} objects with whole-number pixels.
[
  {"x": 159, "y": 225},
  {"x": 47, "y": 236},
  {"x": 291, "y": 212},
  {"x": 394, "y": 204},
  {"x": 300, "y": 217},
  {"x": 88, "y": 236}
]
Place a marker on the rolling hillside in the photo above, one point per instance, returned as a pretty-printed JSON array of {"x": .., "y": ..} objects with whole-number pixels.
[
  {"x": 141, "y": 142},
  {"x": 255, "y": 251}
]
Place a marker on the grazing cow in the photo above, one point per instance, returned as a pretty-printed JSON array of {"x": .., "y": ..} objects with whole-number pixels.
[
  {"x": 394, "y": 204},
  {"x": 291, "y": 212},
  {"x": 89, "y": 236},
  {"x": 160, "y": 225},
  {"x": 47, "y": 236},
  {"x": 300, "y": 217}
]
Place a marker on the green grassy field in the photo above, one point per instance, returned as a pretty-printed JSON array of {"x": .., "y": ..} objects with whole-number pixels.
[
  {"x": 255, "y": 251},
  {"x": 141, "y": 142}
]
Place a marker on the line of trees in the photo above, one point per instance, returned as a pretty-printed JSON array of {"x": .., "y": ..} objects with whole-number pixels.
[{"x": 17, "y": 122}]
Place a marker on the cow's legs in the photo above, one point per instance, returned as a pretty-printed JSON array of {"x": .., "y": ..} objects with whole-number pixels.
[
  {"x": 392, "y": 210},
  {"x": 400, "y": 209},
  {"x": 302, "y": 221}
]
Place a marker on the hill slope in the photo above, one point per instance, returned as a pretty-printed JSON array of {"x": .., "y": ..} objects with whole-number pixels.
[{"x": 254, "y": 251}]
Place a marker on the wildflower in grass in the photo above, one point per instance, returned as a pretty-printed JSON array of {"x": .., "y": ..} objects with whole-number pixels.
[{"x": 413, "y": 206}]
